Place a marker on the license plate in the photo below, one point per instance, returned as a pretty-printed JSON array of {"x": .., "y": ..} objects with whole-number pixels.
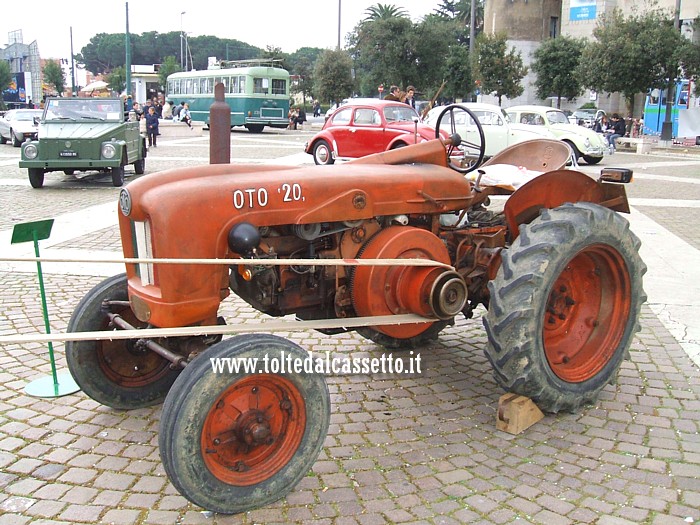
[{"x": 68, "y": 154}]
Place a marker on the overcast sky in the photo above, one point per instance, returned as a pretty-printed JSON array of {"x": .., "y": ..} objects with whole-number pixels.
[{"x": 280, "y": 23}]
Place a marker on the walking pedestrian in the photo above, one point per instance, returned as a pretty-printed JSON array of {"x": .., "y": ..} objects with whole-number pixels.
[{"x": 152, "y": 126}]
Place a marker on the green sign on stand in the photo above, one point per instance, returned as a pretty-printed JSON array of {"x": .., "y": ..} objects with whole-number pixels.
[{"x": 56, "y": 385}]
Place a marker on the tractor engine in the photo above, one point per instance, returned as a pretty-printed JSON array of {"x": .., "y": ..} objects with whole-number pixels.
[{"x": 313, "y": 291}]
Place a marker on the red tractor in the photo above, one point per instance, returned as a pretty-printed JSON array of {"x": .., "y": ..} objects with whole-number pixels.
[{"x": 557, "y": 270}]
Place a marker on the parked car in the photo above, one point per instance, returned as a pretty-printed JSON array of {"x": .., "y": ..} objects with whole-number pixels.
[
  {"x": 18, "y": 125},
  {"x": 499, "y": 131},
  {"x": 84, "y": 134},
  {"x": 583, "y": 141},
  {"x": 365, "y": 126},
  {"x": 582, "y": 117}
]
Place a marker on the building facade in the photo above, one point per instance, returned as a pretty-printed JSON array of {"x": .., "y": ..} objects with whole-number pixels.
[
  {"x": 529, "y": 22},
  {"x": 25, "y": 66}
]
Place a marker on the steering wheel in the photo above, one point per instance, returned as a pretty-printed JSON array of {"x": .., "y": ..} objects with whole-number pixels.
[{"x": 470, "y": 154}]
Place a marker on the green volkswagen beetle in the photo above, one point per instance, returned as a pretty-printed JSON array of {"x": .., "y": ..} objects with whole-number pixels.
[{"x": 84, "y": 134}]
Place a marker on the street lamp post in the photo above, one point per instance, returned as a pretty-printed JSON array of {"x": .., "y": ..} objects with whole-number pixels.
[
  {"x": 182, "y": 38},
  {"x": 667, "y": 124},
  {"x": 339, "y": 1}
]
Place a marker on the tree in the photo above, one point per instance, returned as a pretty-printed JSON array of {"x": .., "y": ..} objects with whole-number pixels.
[
  {"x": 383, "y": 53},
  {"x": 117, "y": 79},
  {"x": 634, "y": 54},
  {"x": 5, "y": 76},
  {"x": 105, "y": 51},
  {"x": 459, "y": 77},
  {"x": 460, "y": 11},
  {"x": 169, "y": 66},
  {"x": 332, "y": 76},
  {"x": 5, "y": 80},
  {"x": 53, "y": 76},
  {"x": 498, "y": 70},
  {"x": 556, "y": 62},
  {"x": 384, "y": 12}
]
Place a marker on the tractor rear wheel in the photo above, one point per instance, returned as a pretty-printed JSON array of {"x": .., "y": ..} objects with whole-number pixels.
[
  {"x": 234, "y": 439},
  {"x": 565, "y": 305},
  {"x": 118, "y": 373}
]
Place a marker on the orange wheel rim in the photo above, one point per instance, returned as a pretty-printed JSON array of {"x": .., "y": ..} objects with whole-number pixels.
[
  {"x": 127, "y": 364},
  {"x": 253, "y": 429},
  {"x": 587, "y": 312}
]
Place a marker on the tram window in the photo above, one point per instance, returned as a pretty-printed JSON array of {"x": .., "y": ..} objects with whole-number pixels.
[
  {"x": 279, "y": 86},
  {"x": 188, "y": 87},
  {"x": 260, "y": 85},
  {"x": 195, "y": 86},
  {"x": 241, "y": 84},
  {"x": 683, "y": 98}
]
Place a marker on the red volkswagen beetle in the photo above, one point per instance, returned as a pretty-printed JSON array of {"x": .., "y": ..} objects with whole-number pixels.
[{"x": 361, "y": 128}]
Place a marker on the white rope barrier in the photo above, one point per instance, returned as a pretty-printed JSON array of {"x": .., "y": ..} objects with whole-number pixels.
[
  {"x": 254, "y": 262},
  {"x": 190, "y": 331}
]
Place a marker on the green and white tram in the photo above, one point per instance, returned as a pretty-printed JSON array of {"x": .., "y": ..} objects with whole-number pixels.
[{"x": 256, "y": 91}]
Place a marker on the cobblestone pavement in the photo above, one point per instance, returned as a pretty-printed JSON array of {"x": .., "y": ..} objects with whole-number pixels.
[{"x": 412, "y": 448}]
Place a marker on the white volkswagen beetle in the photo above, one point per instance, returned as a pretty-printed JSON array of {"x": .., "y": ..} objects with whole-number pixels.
[
  {"x": 584, "y": 142},
  {"x": 499, "y": 131}
]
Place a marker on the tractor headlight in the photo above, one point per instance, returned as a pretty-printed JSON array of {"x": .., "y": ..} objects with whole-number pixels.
[
  {"x": 108, "y": 150},
  {"x": 31, "y": 151}
]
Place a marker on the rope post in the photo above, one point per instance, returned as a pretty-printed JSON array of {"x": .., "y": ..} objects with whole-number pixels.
[{"x": 55, "y": 385}]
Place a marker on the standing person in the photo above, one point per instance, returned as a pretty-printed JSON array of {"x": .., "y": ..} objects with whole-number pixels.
[
  {"x": 167, "y": 110},
  {"x": 137, "y": 111},
  {"x": 394, "y": 93},
  {"x": 317, "y": 108},
  {"x": 410, "y": 96},
  {"x": 158, "y": 107},
  {"x": 152, "y": 126},
  {"x": 185, "y": 115}
]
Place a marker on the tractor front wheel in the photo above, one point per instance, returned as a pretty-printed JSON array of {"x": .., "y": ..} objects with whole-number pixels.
[
  {"x": 565, "y": 306},
  {"x": 119, "y": 373},
  {"x": 241, "y": 436}
]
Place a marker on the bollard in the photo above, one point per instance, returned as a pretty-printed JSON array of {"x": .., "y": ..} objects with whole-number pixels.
[{"x": 219, "y": 128}]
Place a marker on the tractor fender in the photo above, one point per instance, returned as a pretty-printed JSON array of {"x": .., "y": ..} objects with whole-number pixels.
[{"x": 554, "y": 188}]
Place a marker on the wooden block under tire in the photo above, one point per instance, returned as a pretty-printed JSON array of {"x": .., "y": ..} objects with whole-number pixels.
[{"x": 516, "y": 413}]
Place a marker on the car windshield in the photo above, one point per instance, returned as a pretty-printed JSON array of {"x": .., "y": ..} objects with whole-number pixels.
[
  {"x": 557, "y": 117},
  {"x": 26, "y": 115},
  {"x": 83, "y": 108},
  {"x": 399, "y": 113}
]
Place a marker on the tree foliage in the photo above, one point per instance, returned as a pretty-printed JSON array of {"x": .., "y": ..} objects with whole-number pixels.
[
  {"x": 555, "y": 63},
  {"x": 333, "y": 76},
  {"x": 53, "y": 76},
  {"x": 169, "y": 66},
  {"x": 384, "y": 12},
  {"x": 460, "y": 81},
  {"x": 634, "y": 54},
  {"x": 498, "y": 70},
  {"x": 105, "y": 51},
  {"x": 117, "y": 79},
  {"x": 5, "y": 75}
]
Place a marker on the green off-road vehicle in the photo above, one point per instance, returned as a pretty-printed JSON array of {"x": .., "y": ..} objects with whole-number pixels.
[{"x": 84, "y": 134}]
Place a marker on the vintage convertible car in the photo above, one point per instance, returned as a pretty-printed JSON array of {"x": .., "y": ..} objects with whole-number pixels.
[
  {"x": 584, "y": 142},
  {"x": 499, "y": 131}
]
